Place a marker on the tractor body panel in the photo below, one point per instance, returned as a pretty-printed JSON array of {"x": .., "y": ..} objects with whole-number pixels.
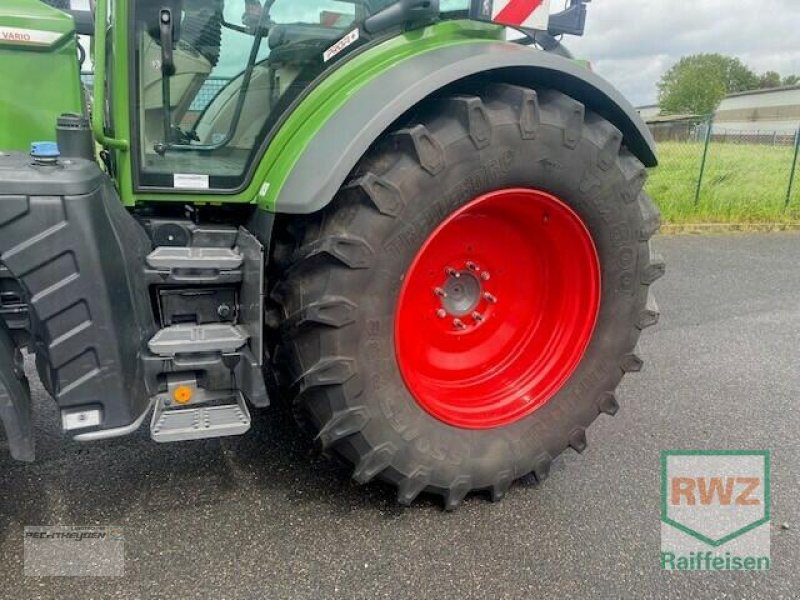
[{"x": 41, "y": 77}]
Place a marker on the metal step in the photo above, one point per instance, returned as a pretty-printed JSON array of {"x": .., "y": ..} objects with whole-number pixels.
[
  {"x": 194, "y": 339},
  {"x": 166, "y": 258},
  {"x": 199, "y": 422}
]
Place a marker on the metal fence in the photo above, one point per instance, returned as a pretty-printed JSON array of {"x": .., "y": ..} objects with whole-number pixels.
[
  {"x": 211, "y": 87},
  {"x": 708, "y": 171},
  {"x": 208, "y": 91},
  {"x": 87, "y": 78}
]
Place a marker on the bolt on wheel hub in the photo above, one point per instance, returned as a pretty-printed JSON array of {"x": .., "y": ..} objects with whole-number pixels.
[{"x": 497, "y": 309}]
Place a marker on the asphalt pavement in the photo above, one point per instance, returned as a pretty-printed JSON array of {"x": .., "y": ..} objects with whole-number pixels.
[{"x": 263, "y": 517}]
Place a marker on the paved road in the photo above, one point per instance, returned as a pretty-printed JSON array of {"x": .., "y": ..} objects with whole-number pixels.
[{"x": 261, "y": 517}]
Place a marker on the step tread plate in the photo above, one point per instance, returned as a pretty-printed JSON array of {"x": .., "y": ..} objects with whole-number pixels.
[
  {"x": 202, "y": 422},
  {"x": 189, "y": 339},
  {"x": 165, "y": 258}
]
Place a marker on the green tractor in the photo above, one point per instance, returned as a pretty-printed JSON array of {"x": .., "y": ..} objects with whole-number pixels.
[{"x": 427, "y": 235}]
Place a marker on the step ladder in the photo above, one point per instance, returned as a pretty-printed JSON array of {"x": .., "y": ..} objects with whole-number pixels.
[{"x": 198, "y": 413}]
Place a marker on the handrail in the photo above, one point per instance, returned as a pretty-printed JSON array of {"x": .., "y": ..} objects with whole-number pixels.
[{"x": 99, "y": 97}]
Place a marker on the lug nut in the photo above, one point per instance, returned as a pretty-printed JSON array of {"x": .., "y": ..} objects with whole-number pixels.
[
  {"x": 491, "y": 298},
  {"x": 478, "y": 317},
  {"x": 441, "y": 313},
  {"x": 459, "y": 324},
  {"x": 472, "y": 266},
  {"x": 451, "y": 272},
  {"x": 440, "y": 292},
  {"x": 485, "y": 276}
]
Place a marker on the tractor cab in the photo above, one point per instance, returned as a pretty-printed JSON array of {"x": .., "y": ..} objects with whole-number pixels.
[
  {"x": 209, "y": 80},
  {"x": 197, "y": 89},
  {"x": 212, "y": 77}
]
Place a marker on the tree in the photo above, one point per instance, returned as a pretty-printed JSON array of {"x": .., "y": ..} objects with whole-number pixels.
[
  {"x": 769, "y": 80},
  {"x": 698, "y": 83},
  {"x": 791, "y": 80}
]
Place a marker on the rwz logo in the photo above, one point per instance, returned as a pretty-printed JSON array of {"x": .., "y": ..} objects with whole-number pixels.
[{"x": 715, "y": 506}]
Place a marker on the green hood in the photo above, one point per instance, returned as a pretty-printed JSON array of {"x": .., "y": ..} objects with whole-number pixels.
[{"x": 32, "y": 24}]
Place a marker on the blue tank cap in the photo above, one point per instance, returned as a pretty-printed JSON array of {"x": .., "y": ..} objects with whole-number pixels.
[{"x": 44, "y": 150}]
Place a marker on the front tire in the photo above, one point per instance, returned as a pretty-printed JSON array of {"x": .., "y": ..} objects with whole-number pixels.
[{"x": 358, "y": 383}]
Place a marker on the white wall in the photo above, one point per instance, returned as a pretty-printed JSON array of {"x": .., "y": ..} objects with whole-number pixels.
[
  {"x": 648, "y": 112},
  {"x": 765, "y": 112}
]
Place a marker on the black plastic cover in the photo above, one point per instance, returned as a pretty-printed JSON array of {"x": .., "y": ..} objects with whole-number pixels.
[{"x": 78, "y": 255}]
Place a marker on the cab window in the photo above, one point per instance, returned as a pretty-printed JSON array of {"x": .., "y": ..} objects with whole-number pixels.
[{"x": 236, "y": 66}]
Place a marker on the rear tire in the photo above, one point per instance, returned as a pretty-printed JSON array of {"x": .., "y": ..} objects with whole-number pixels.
[{"x": 339, "y": 292}]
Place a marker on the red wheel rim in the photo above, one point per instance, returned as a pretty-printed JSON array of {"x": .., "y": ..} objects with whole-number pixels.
[{"x": 497, "y": 309}]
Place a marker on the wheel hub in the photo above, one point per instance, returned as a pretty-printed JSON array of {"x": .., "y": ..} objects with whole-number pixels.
[
  {"x": 497, "y": 309},
  {"x": 463, "y": 295}
]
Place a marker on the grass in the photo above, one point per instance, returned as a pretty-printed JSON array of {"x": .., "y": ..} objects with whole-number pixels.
[{"x": 742, "y": 184}]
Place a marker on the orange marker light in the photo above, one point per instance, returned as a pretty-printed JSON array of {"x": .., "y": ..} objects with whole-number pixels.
[{"x": 182, "y": 394}]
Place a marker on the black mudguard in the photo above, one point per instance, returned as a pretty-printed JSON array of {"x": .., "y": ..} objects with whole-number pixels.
[{"x": 346, "y": 137}]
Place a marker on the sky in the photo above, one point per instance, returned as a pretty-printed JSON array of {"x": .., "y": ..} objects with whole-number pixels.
[{"x": 632, "y": 43}]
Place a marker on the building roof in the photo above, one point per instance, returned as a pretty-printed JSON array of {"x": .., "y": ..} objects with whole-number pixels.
[
  {"x": 673, "y": 118},
  {"x": 786, "y": 88}
]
